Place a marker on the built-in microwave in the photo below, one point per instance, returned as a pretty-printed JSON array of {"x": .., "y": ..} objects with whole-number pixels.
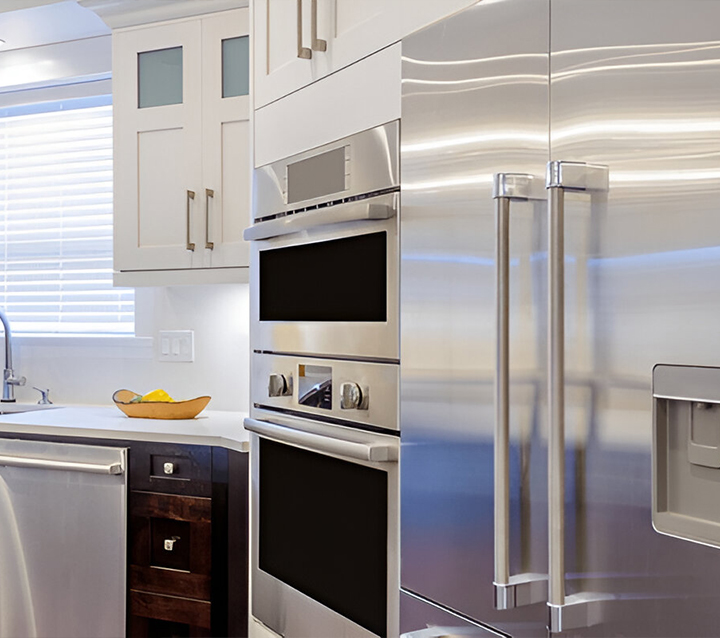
[{"x": 325, "y": 254}]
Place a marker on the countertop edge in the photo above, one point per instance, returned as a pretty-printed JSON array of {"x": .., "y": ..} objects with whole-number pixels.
[{"x": 9, "y": 426}]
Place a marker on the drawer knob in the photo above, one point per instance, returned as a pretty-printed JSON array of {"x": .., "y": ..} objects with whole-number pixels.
[
  {"x": 169, "y": 468},
  {"x": 169, "y": 543}
]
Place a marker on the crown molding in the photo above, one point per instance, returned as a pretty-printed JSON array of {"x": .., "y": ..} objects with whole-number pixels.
[
  {"x": 18, "y": 5},
  {"x": 128, "y": 13}
]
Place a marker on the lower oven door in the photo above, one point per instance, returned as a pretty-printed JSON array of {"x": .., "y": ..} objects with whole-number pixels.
[{"x": 324, "y": 529}]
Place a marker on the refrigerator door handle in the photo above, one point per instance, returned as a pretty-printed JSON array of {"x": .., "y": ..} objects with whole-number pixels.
[
  {"x": 585, "y": 608},
  {"x": 521, "y": 589}
]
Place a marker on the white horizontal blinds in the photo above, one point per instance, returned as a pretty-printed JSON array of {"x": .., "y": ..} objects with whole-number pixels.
[{"x": 56, "y": 221}]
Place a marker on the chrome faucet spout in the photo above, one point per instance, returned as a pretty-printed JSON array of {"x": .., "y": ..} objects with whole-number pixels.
[
  {"x": 9, "y": 379},
  {"x": 8, "y": 340}
]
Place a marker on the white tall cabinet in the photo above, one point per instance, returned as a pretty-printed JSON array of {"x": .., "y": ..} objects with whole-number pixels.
[
  {"x": 182, "y": 145},
  {"x": 300, "y": 41}
]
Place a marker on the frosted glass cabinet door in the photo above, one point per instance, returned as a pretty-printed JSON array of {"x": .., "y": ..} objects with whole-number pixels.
[
  {"x": 160, "y": 80},
  {"x": 226, "y": 137},
  {"x": 236, "y": 66},
  {"x": 158, "y": 146}
]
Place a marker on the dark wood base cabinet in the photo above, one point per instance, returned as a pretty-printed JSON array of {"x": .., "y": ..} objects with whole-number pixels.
[{"x": 187, "y": 542}]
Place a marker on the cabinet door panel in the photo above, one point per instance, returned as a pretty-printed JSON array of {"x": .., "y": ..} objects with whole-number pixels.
[
  {"x": 359, "y": 29},
  {"x": 350, "y": 15},
  {"x": 226, "y": 145},
  {"x": 235, "y": 180},
  {"x": 161, "y": 201},
  {"x": 278, "y": 69},
  {"x": 157, "y": 150}
]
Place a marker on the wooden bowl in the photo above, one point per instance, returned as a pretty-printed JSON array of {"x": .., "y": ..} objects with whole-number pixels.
[{"x": 159, "y": 409}]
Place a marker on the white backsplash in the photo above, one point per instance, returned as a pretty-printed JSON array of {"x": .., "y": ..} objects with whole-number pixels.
[{"x": 88, "y": 372}]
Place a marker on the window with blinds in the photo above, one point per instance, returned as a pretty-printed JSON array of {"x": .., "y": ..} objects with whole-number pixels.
[{"x": 56, "y": 226}]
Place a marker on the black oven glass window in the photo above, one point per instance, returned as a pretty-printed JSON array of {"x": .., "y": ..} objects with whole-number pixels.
[
  {"x": 337, "y": 280},
  {"x": 323, "y": 530}
]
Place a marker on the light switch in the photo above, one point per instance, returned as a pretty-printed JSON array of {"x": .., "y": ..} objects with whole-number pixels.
[{"x": 177, "y": 345}]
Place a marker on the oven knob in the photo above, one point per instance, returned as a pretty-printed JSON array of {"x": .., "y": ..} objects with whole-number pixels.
[
  {"x": 351, "y": 397},
  {"x": 278, "y": 386}
]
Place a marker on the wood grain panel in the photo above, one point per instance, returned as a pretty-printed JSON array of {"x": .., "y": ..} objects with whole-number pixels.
[
  {"x": 170, "y": 608},
  {"x": 170, "y": 582},
  {"x": 181, "y": 508}
]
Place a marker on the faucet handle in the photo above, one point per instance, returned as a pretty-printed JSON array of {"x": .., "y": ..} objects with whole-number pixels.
[
  {"x": 14, "y": 381},
  {"x": 44, "y": 396}
]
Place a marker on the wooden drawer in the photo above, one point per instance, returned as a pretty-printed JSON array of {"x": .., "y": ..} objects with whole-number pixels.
[
  {"x": 193, "y": 613},
  {"x": 170, "y": 545},
  {"x": 171, "y": 468}
]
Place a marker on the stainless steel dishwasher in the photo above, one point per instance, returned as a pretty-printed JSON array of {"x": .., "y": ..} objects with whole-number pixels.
[{"x": 62, "y": 540}]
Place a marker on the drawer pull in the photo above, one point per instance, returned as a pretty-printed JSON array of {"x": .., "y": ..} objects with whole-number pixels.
[
  {"x": 169, "y": 468},
  {"x": 169, "y": 543}
]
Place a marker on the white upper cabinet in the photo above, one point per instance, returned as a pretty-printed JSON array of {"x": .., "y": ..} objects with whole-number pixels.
[
  {"x": 157, "y": 146},
  {"x": 226, "y": 138},
  {"x": 300, "y": 41},
  {"x": 182, "y": 148}
]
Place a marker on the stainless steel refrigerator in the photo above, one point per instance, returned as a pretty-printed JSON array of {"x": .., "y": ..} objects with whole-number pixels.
[{"x": 560, "y": 237}]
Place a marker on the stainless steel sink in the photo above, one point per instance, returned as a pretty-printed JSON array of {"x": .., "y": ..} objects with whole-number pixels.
[{"x": 18, "y": 408}]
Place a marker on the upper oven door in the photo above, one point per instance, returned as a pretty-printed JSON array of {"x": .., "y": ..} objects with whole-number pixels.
[{"x": 325, "y": 282}]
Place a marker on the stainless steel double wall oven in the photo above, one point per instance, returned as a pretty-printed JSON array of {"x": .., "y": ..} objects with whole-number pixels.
[{"x": 324, "y": 414}]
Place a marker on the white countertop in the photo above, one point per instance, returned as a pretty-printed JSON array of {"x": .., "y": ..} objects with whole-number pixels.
[{"x": 210, "y": 427}]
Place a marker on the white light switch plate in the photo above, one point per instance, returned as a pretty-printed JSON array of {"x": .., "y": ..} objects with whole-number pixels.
[{"x": 176, "y": 345}]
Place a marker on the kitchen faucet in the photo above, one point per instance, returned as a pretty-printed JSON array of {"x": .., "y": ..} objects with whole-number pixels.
[{"x": 9, "y": 380}]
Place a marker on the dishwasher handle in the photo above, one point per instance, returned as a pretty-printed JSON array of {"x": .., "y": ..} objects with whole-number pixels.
[{"x": 64, "y": 466}]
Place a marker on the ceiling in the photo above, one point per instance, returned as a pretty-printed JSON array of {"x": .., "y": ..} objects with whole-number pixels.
[
  {"x": 51, "y": 22},
  {"x": 27, "y": 23}
]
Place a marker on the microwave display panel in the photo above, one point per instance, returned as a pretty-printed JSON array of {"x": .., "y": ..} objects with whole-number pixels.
[
  {"x": 335, "y": 280},
  {"x": 316, "y": 176}
]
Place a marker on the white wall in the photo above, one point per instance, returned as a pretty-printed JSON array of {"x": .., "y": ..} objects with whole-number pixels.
[{"x": 88, "y": 372}]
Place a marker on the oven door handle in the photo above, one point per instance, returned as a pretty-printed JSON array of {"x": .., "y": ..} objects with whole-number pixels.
[
  {"x": 376, "y": 452},
  {"x": 383, "y": 207}
]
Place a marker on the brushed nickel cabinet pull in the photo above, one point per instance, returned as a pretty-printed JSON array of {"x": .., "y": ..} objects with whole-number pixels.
[
  {"x": 317, "y": 44},
  {"x": 209, "y": 193},
  {"x": 302, "y": 52},
  {"x": 188, "y": 244}
]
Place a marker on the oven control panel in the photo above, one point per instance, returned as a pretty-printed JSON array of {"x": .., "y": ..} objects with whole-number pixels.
[{"x": 348, "y": 390}]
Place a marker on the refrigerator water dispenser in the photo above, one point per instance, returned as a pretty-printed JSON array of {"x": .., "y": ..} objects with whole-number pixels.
[{"x": 686, "y": 452}]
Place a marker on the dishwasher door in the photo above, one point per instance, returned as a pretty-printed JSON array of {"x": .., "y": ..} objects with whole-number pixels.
[{"x": 62, "y": 540}]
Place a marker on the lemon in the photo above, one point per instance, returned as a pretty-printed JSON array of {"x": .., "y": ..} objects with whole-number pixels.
[{"x": 158, "y": 395}]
